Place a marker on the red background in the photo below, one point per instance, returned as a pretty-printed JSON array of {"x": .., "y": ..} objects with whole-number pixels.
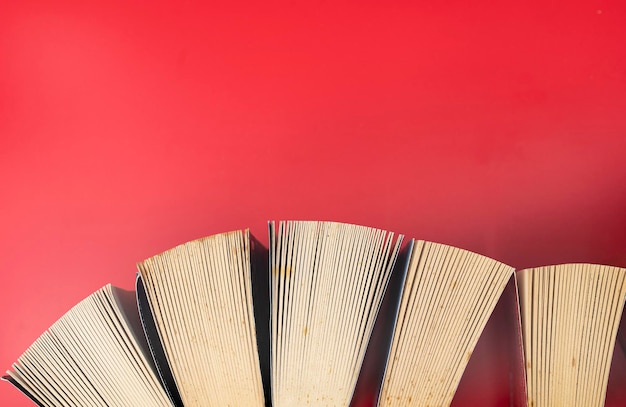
[{"x": 128, "y": 128}]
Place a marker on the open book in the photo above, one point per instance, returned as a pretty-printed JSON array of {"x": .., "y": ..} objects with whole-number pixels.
[
  {"x": 95, "y": 355},
  {"x": 327, "y": 313},
  {"x": 571, "y": 315}
]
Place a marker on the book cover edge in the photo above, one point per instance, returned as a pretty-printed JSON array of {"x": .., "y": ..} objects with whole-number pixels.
[{"x": 155, "y": 344}]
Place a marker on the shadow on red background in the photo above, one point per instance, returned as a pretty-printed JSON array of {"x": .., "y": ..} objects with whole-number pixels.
[{"x": 128, "y": 128}]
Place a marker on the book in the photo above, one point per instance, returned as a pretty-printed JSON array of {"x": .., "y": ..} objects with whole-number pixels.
[
  {"x": 446, "y": 300},
  {"x": 200, "y": 320},
  {"x": 571, "y": 314},
  {"x": 95, "y": 355},
  {"x": 327, "y": 314},
  {"x": 328, "y": 281}
]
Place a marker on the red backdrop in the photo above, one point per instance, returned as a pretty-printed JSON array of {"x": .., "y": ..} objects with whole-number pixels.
[{"x": 128, "y": 128}]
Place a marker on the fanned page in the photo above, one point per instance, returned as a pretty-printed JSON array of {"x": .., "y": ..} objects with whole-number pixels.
[
  {"x": 570, "y": 318},
  {"x": 327, "y": 283},
  {"x": 200, "y": 295},
  {"x": 92, "y": 356},
  {"x": 448, "y": 296}
]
